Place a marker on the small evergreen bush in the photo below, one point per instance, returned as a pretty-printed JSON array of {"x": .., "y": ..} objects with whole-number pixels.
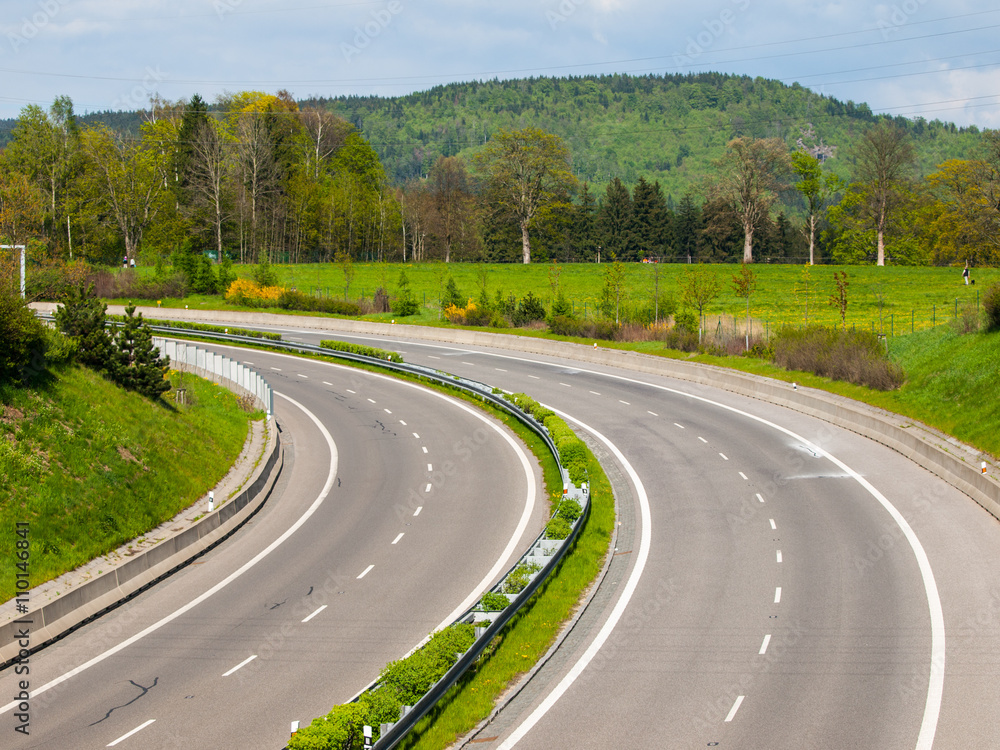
[{"x": 991, "y": 304}]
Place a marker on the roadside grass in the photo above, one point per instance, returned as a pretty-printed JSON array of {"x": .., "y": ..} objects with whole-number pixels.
[
  {"x": 529, "y": 634},
  {"x": 893, "y": 299},
  {"x": 90, "y": 466}
]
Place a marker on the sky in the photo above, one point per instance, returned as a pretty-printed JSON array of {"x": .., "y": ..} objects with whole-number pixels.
[{"x": 918, "y": 58}]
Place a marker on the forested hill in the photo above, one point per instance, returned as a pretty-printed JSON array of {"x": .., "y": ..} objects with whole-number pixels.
[
  {"x": 662, "y": 127},
  {"x": 667, "y": 128}
]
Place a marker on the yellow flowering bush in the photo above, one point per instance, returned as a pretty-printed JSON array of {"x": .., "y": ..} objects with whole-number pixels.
[
  {"x": 470, "y": 315},
  {"x": 249, "y": 293}
]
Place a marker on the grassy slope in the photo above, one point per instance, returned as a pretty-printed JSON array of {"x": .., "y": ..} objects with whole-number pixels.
[{"x": 85, "y": 463}]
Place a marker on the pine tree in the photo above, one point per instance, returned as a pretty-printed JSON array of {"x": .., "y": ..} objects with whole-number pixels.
[
  {"x": 136, "y": 364},
  {"x": 83, "y": 317},
  {"x": 615, "y": 221},
  {"x": 584, "y": 230},
  {"x": 651, "y": 225},
  {"x": 688, "y": 227}
]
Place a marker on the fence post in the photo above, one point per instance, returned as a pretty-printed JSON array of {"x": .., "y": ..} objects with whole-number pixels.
[
  {"x": 912, "y": 314},
  {"x": 934, "y": 314},
  {"x": 892, "y": 324}
]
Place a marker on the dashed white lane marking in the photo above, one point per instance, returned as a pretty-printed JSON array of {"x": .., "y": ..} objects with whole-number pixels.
[
  {"x": 428, "y": 487},
  {"x": 743, "y": 475},
  {"x": 246, "y": 362},
  {"x": 129, "y": 734},
  {"x": 735, "y": 708},
  {"x": 499, "y": 369},
  {"x": 423, "y": 448},
  {"x": 652, "y": 412},
  {"x": 398, "y": 537},
  {"x": 240, "y": 665},
  {"x": 678, "y": 424},
  {"x": 724, "y": 456},
  {"x": 779, "y": 555},
  {"x": 350, "y": 391},
  {"x": 387, "y": 411},
  {"x": 431, "y": 356},
  {"x": 417, "y": 511},
  {"x": 302, "y": 376},
  {"x": 365, "y": 572},
  {"x": 702, "y": 439},
  {"x": 329, "y": 384},
  {"x": 777, "y": 594},
  {"x": 763, "y": 646},
  {"x": 416, "y": 436},
  {"x": 759, "y": 497},
  {"x": 470, "y": 364},
  {"x": 315, "y": 613},
  {"x": 534, "y": 377},
  {"x": 774, "y": 526},
  {"x": 566, "y": 385},
  {"x": 595, "y": 393},
  {"x": 430, "y": 467},
  {"x": 624, "y": 402},
  {"x": 402, "y": 423},
  {"x": 276, "y": 369},
  {"x": 371, "y": 401}
]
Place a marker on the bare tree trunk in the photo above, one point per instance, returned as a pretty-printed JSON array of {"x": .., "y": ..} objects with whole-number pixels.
[
  {"x": 525, "y": 242},
  {"x": 812, "y": 237},
  {"x": 748, "y": 244}
]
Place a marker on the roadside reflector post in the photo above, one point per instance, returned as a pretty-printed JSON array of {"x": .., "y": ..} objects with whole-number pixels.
[
  {"x": 983, "y": 466},
  {"x": 295, "y": 727},
  {"x": 211, "y": 501},
  {"x": 367, "y": 730}
]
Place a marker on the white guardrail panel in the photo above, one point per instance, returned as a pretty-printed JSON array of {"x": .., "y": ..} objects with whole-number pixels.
[{"x": 219, "y": 367}]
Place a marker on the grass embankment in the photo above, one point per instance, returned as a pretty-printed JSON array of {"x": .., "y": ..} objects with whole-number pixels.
[
  {"x": 904, "y": 296},
  {"x": 90, "y": 466}
]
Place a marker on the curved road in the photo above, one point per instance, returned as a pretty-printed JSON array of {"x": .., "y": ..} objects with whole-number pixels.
[
  {"x": 386, "y": 486},
  {"x": 789, "y": 593}
]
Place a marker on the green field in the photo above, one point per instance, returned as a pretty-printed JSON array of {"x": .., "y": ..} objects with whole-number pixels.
[
  {"x": 90, "y": 466},
  {"x": 912, "y": 298}
]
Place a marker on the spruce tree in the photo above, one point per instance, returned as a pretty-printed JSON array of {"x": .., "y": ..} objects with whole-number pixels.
[
  {"x": 83, "y": 317},
  {"x": 136, "y": 363}
]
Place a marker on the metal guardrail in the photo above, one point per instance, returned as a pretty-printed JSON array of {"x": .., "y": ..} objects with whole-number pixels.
[{"x": 398, "y": 731}]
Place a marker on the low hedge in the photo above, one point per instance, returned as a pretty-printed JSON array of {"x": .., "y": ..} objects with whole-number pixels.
[
  {"x": 401, "y": 683},
  {"x": 205, "y": 327},
  {"x": 292, "y": 299},
  {"x": 360, "y": 349},
  {"x": 572, "y": 451}
]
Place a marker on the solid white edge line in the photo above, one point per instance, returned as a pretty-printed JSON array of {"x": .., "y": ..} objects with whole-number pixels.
[
  {"x": 331, "y": 477},
  {"x": 366, "y": 571},
  {"x": 735, "y": 708},
  {"x": 616, "y": 614},
  {"x": 309, "y": 617},
  {"x": 129, "y": 734},
  {"x": 240, "y": 665},
  {"x": 763, "y": 646},
  {"x": 935, "y": 684}
]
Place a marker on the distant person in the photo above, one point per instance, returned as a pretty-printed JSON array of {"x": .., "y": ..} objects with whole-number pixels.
[
  {"x": 131, "y": 262},
  {"x": 965, "y": 273},
  {"x": 125, "y": 262}
]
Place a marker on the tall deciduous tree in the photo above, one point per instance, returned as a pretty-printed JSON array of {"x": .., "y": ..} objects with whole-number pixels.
[
  {"x": 452, "y": 201},
  {"x": 815, "y": 188},
  {"x": 751, "y": 173},
  {"x": 126, "y": 181},
  {"x": 885, "y": 158},
  {"x": 524, "y": 169}
]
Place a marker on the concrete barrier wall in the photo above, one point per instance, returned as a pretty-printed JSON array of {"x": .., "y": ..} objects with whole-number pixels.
[{"x": 70, "y": 610}]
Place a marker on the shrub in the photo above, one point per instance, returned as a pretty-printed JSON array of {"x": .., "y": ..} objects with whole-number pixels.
[
  {"x": 686, "y": 320},
  {"x": 247, "y": 293},
  {"x": 292, "y": 299},
  {"x": 83, "y": 318},
  {"x": 136, "y": 364},
  {"x": 127, "y": 284},
  {"x": 991, "y": 304},
  {"x": 470, "y": 315},
  {"x": 853, "y": 356},
  {"x": 263, "y": 274},
  {"x": 365, "y": 351},
  {"x": 494, "y": 602},
  {"x": 588, "y": 329},
  {"x": 452, "y": 297},
  {"x": 562, "y": 307},
  {"x": 569, "y": 509},
  {"x": 22, "y": 354},
  {"x": 557, "y": 528},
  {"x": 405, "y": 303},
  {"x": 518, "y": 578},
  {"x": 408, "y": 679},
  {"x": 529, "y": 310}
]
